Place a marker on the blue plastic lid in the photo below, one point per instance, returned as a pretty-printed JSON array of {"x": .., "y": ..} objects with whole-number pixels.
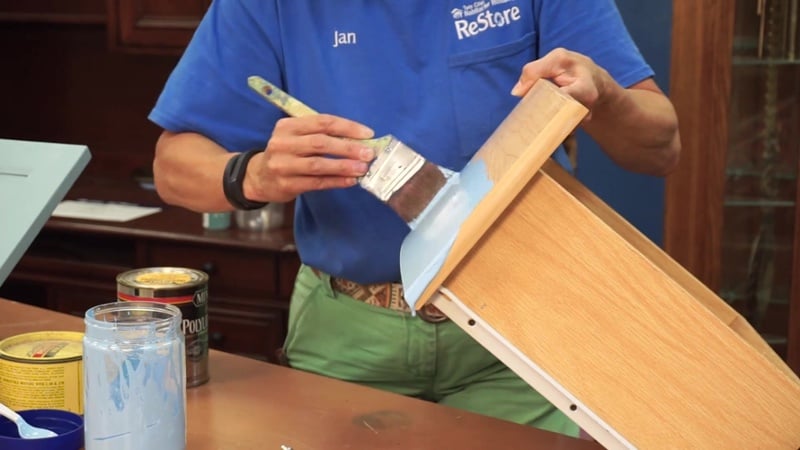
[{"x": 68, "y": 425}]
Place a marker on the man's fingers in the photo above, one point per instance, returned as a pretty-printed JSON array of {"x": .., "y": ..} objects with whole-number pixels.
[
  {"x": 321, "y": 134},
  {"x": 319, "y": 166},
  {"x": 289, "y": 166},
  {"x": 533, "y": 72},
  {"x": 294, "y": 186},
  {"x": 551, "y": 66},
  {"x": 320, "y": 144},
  {"x": 322, "y": 183},
  {"x": 522, "y": 87},
  {"x": 323, "y": 124},
  {"x": 314, "y": 153}
]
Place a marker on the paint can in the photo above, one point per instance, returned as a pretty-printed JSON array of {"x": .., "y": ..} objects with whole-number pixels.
[
  {"x": 185, "y": 288},
  {"x": 42, "y": 370}
]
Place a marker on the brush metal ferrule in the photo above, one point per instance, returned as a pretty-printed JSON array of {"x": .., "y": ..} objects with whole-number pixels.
[{"x": 394, "y": 164}]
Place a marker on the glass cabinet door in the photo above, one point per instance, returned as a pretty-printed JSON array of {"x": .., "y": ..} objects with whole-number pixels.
[
  {"x": 731, "y": 217},
  {"x": 761, "y": 167}
]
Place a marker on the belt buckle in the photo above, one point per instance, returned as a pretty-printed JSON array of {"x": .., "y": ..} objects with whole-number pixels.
[{"x": 431, "y": 314}]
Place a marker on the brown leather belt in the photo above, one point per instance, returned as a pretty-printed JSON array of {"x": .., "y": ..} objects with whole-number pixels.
[{"x": 382, "y": 295}]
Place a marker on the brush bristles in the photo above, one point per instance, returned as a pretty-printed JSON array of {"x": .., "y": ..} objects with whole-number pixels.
[{"x": 412, "y": 198}]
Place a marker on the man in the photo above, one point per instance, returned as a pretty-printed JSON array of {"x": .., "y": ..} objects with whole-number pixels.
[{"x": 438, "y": 75}]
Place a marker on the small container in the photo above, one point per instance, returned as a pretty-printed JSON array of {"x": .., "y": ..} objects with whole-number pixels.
[
  {"x": 269, "y": 217},
  {"x": 68, "y": 426},
  {"x": 217, "y": 221},
  {"x": 43, "y": 369},
  {"x": 188, "y": 290},
  {"x": 135, "y": 377}
]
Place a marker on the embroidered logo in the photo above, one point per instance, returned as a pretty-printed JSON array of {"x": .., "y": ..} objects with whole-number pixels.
[{"x": 474, "y": 18}]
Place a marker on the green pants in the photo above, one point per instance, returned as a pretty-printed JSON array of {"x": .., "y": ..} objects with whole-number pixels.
[{"x": 335, "y": 335}]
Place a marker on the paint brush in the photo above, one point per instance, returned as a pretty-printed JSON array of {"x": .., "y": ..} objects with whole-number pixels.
[{"x": 398, "y": 176}]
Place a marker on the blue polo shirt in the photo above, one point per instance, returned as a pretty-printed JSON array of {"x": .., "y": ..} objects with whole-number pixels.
[{"x": 435, "y": 74}]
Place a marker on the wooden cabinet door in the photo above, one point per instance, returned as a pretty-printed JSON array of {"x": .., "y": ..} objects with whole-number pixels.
[{"x": 153, "y": 26}]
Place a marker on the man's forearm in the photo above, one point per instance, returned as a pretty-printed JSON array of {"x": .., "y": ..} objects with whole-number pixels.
[
  {"x": 638, "y": 129},
  {"x": 188, "y": 172}
]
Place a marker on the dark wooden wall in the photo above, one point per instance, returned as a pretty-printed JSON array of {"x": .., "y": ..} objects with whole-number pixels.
[{"x": 61, "y": 83}]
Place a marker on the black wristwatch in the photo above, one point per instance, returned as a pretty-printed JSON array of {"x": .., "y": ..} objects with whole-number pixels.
[{"x": 233, "y": 181}]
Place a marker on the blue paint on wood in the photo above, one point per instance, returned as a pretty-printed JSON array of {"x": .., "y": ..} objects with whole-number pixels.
[
  {"x": 426, "y": 248},
  {"x": 34, "y": 177}
]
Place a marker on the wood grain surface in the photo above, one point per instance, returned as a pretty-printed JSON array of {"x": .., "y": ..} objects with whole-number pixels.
[
  {"x": 622, "y": 328},
  {"x": 513, "y": 153}
]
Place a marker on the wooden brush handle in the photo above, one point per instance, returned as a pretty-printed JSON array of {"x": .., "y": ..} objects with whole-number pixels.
[{"x": 279, "y": 98}]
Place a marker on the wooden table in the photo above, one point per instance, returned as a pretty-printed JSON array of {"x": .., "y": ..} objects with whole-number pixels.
[{"x": 249, "y": 404}]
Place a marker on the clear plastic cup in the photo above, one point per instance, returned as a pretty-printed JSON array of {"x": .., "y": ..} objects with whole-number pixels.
[{"x": 134, "y": 377}]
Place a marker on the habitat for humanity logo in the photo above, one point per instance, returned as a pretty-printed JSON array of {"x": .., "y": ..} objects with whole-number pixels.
[{"x": 474, "y": 18}]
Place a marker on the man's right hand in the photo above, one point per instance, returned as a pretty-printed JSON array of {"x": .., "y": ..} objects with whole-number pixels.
[
  {"x": 307, "y": 154},
  {"x": 303, "y": 154}
]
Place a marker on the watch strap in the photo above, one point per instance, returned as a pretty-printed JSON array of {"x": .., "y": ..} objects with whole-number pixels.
[{"x": 233, "y": 181}]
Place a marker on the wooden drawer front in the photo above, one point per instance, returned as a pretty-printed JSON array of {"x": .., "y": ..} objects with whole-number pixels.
[
  {"x": 289, "y": 265},
  {"x": 81, "y": 254},
  {"x": 75, "y": 273},
  {"x": 230, "y": 271},
  {"x": 154, "y": 26},
  {"x": 253, "y": 335},
  {"x": 54, "y": 11},
  {"x": 76, "y": 300}
]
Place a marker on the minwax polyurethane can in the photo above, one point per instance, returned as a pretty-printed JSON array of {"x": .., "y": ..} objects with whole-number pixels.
[
  {"x": 42, "y": 370},
  {"x": 188, "y": 290}
]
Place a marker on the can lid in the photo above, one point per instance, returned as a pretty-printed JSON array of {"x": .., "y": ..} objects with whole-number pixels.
[
  {"x": 155, "y": 279},
  {"x": 43, "y": 347}
]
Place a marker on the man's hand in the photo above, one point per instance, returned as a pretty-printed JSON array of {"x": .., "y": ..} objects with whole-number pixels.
[
  {"x": 306, "y": 154},
  {"x": 576, "y": 74},
  {"x": 303, "y": 154},
  {"x": 637, "y": 127}
]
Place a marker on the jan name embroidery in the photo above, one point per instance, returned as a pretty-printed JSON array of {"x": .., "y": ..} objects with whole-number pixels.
[{"x": 340, "y": 38}]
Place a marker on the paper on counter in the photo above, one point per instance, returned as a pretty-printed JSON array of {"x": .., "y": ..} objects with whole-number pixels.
[{"x": 111, "y": 212}]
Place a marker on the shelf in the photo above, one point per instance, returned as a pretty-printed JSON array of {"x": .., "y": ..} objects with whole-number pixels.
[
  {"x": 782, "y": 175},
  {"x": 732, "y": 296},
  {"x": 753, "y": 61},
  {"x": 758, "y": 202}
]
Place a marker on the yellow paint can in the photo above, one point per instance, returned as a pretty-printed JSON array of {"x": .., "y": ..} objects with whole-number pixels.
[{"x": 42, "y": 370}]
